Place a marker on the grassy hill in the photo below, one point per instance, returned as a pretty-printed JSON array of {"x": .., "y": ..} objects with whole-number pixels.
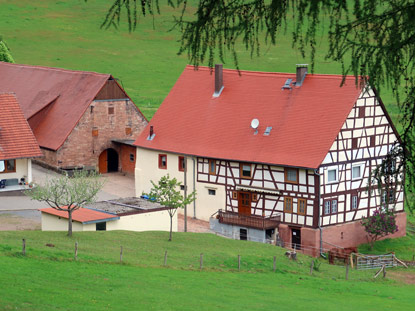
[
  {"x": 48, "y": 278},
  {"x": 67, "y": 34}
]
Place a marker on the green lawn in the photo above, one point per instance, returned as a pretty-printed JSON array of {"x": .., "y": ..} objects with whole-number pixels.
[
  {"x": 49, "y": 279},
  {"x": 67, "y": 34}
]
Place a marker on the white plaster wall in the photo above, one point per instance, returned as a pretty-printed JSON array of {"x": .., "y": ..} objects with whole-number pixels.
[
  {"x": 154, "y": 221},
  {"x": 55, "y": 223},
  {"x": 147, "y": 169}
]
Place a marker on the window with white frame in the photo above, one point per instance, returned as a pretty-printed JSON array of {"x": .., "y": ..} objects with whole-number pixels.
[
  {"x": 332, "y": 175},
  {"x": 334, "y": 206},
  {"x": 354, "y": 201},
  {"x": 357, "y": 171},
  {"x": 327, "y": 207}
]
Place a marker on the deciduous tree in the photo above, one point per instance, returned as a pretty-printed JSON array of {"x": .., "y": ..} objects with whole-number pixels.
[
  {"x": 5, "y": 55},
  {"x": 380, "y": 224},
  {"x": 167, "y": 193},
  {"x": 68, "y": 193}
]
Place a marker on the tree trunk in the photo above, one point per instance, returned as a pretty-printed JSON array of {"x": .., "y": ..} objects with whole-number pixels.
[
  {"x": 171, "y": 226},
  {"x": 69, "y": 222}
]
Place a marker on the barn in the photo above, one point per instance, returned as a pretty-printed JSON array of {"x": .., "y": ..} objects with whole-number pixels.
[{"x": 81, "y": 120}]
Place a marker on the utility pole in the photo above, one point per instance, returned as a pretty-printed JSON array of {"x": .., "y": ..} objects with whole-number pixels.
[{"x": 185, "y": 192}]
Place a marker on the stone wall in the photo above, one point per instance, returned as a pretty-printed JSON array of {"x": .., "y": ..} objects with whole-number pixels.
[{"x": 103, "y": 121}]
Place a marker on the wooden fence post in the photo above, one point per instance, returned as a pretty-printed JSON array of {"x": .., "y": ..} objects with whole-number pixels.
[
  {"x": 201, "y": 261},
  {"x": 311, "y": 267},
  {"x": 347, "y": 271},
  {"x": 24, "y": 247},
  {"x": 239, "y": 262},
  {"x": 165, "y": 258},
  {"x": 76, "y": 250},
  {"x": 121, "y": 254},
  {"x": 384, "y": 271},
  {"x": 275, "y": 263}
]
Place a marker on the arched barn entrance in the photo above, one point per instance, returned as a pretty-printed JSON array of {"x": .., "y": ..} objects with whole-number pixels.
[{"x": 108, "y": 161}]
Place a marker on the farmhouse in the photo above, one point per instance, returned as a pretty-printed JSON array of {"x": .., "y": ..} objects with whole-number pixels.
[
  {"x": 273, "y": 156},
  {"x": 133, "y": 214},
  {"x": 80, "y": 119},
  {"x": 17, "y": 145}
]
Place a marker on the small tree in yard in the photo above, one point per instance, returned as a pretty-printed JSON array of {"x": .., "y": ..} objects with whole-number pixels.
[
  {"x": 167, "y": 193},
  {"x": 68, "y": 193},
  {"x": 380, "y": 224}
]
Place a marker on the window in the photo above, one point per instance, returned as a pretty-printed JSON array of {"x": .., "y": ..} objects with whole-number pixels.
[
  {"x": 182, "y": 164},
  {"x": 391, "y": 196},
  {"x": 212, "y": 167},
  {"x": 110, "y": 110},
  {"x": 356, "y": 171},
  {"x": 181, "y": 187},
  {"x": 355, "y": 143},
  {"x": 8, "y": 166},
  {"x": 254, "y": 197},
  {"x": 355, "y": 201},
  {"x": 128, "y": 131},
  {"x": 101, "y": 226},
  {"x": 132, "y": 157},
  {"x": 235, "y": 195},
  {"x": 334, "y": 206},
  {"x": 302, "y": 206},
  {"x": 94, "y": 132},
  {"x": 288, "y": 205},
  {"x": 163, "y": 161},
  {"x": 245, "y": 170},
  {"x": 332, "y": 175},
  {"x": 362, "y": 112},
  {"x": 326, "y": 207},
  {"x": 212, "y": 191},
  {"x": 291, "y": 175},
  {"x": 389, "y": 166},
  {"x": 372, "y": 141}
]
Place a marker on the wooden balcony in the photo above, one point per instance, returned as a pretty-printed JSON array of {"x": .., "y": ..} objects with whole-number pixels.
[{"x": 253, "y": 221}]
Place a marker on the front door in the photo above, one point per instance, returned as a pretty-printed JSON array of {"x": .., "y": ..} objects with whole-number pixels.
[
  {"x": 102, "y": 162},
  {"x": 296, "y": 238},
  {"x": 244, "y": 203}
]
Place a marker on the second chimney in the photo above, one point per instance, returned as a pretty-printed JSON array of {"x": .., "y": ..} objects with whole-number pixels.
[
  {"x": 218, "y": 80},
  {"x": 301, "y": 73}
]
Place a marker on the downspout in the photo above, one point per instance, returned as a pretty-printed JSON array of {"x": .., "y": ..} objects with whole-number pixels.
[
  {"x": 194, "y": 186},
  {"x": 319, "y": 218}
]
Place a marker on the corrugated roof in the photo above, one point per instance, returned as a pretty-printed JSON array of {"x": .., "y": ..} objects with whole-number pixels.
[
  {"x": 69, "y": 93},
  {"x": 16, "y": 137},
  {"x": 305, "y": 120},
  {"x": 83, "y": 215}
]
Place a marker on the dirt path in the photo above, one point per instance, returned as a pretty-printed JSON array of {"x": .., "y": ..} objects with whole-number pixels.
[{"x": 193, "y": 225}]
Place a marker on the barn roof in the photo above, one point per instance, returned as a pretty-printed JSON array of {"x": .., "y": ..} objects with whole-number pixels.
[
  {"x": 83, "y": 215},
  {"x": 305, "y": 120},
  {"x": 59, "y": 96},
  {"x": 16, "y": 137}
]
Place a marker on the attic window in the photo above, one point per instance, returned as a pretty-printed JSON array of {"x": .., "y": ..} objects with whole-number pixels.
[
  {"x": 287, "y": 86},
  {"x": 245, "y": 170},
  {"x": 95, "y": 132},
  {"x": 128, "y": 131},
  {"x": 110, "y": 110},
  {"x": 291, "y": 175},
  {"x": 267, "y": 130}
]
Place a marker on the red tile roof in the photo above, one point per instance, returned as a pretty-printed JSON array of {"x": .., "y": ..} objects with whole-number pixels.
[
  {"x": 16, "y": 137},
  {"x": 83, "y": 215},
  {"x": 66, "y": 93},
  {"x": 305, "y": 120}
]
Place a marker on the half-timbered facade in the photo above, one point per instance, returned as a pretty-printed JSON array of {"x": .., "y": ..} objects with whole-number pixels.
[{"x": 298, "y": 177}]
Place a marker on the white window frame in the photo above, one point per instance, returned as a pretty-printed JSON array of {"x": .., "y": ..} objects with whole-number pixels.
[
  {"x": 337, "y": 175},
  {"x": 361, "y": 166}
]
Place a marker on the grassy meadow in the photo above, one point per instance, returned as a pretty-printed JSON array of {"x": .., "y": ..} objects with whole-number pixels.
[
  {"x": 48, "y": 278},
  {"x": 67, "y": 34}
]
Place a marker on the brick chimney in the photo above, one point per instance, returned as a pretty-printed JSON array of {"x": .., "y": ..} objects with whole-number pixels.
[
  {"x": 301, "y": 73},
  {"x": 218, "y": 80}
]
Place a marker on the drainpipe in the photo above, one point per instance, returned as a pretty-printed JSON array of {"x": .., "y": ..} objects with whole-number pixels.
[
  {"x": 185, "y": 193},
  {"x": 194, "y": 185},
  {"x": 319, "y": 218}
]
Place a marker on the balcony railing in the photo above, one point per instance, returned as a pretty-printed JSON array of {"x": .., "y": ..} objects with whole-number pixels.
[{"x": 253, "y": 221}]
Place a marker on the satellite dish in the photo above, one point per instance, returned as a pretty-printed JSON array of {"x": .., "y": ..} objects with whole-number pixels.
[{"x": 255, "y": 124}]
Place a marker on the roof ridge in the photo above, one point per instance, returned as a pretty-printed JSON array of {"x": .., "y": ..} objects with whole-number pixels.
[
  {"x": 268, "y": 73},
  {"x": 55, "y": 68}
]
